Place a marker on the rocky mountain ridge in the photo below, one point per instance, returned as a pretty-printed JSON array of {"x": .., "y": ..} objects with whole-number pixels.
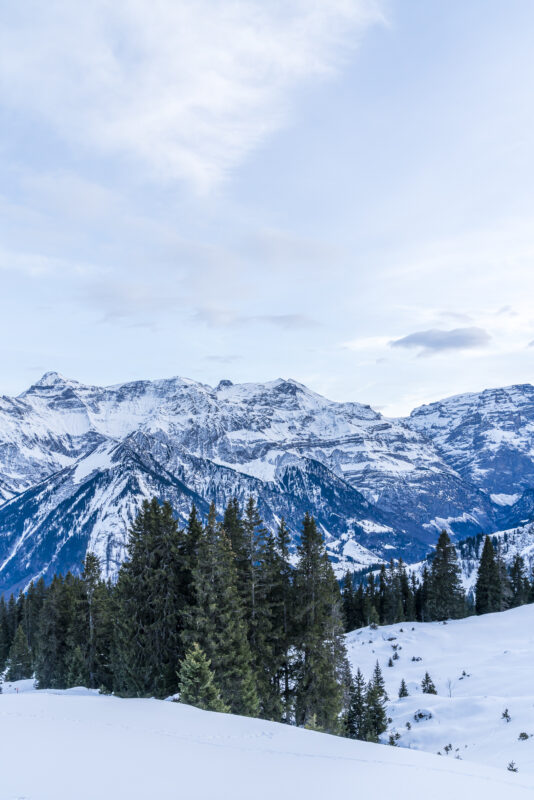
[{"x": 76, "y": 460}]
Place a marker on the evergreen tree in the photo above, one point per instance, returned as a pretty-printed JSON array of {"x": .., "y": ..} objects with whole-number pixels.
[
  {"x": 446, "y": 599},
  {"x": 20, "y": 660},
  {"x": 427, "y": 685},
  {"x": 78, "y": 674},
  {"x": 197, "y": 682},
  {"x": 5, "y": 639},
  {"x": 282, "y": 621},
  {"x": 348, "y": 602},
  {"x": 403, "y": 689},
  {"x": 488, "y": 586},
  {"x": 150, "y": 606},
  {"x": 518, "y": 582},
  {"x": 53, "y": 640},
  {"x": 189, "y": 556},
  {"x": 322, "y": 662},
  {"x": 375, "y": 701},
  {"x": 216, "y": 620},
  {"x": 422, "y": 596},
  {"x": 356, "y": 715}
]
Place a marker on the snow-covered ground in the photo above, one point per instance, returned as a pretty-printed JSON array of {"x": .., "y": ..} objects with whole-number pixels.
[
  {"x": 480, "y": 666},
  {"x": 77, "y": 745}
]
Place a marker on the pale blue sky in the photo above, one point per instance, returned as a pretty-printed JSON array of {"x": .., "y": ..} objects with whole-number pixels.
[{"x": 338, "y": 192}]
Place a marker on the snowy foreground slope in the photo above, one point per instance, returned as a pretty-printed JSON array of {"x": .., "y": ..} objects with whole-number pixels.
[
  {"x": 489, "y": 662},
  {"x": 74, "y": 744}
]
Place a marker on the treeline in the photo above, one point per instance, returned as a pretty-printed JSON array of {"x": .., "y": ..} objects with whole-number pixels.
[
  {"x": 221, "y": 614},
  {"x": 395, "y": 596},
  {"x": 215, "y": 610}
]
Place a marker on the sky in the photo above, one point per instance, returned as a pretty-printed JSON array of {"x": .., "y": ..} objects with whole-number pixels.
[{"x": 335, "y": 191}]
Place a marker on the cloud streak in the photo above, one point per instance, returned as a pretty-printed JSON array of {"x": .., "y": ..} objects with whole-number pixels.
[
  {"x": 435, "y": 341},
  {"x": 186, "y": 88}
]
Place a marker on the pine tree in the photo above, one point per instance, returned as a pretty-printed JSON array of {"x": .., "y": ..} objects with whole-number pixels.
[
  {"x": 446, "y": 598},
  {"x": 283, "y": 628},
  {"x": 78, "y": 674},
  {"x": 427, "y": 685},
  {"x": 488, "y": 586},
  {"x": 197, "y": 682},
  {"x": 322, "y": 662},
  {"x": 375, "y": 707},
  {"x": 518, "y": 582},
  {"x": 20, "y": 660},
  {"x": 356, "y": 715},
  {"x": 348, "y": 602},
  {"x": 216, "y": 620},
  {"x": 5, "y": 639},
  {"x": 54, "y": 639},
  {"x": 189, "y": 556},
  {"x": 150, "y": 606},
  {"x": 403, "y": 689}
]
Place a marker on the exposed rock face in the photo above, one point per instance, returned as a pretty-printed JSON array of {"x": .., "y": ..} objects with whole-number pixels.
[{"x": 76, "y": 461}]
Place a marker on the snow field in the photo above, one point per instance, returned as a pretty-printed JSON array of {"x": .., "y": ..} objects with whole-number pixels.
[
  {"x": 480, "y": 666},
  {"x": 77, "y": 744}
]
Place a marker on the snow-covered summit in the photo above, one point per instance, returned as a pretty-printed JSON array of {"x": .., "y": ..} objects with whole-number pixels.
[{"x": 379, "y": 487}]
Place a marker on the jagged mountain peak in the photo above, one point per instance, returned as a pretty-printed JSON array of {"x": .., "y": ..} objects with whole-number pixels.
[{"x": 76, "y": 461}]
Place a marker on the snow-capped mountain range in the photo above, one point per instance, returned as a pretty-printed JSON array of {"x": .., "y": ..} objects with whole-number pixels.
[{"x": 76, "y": 460}]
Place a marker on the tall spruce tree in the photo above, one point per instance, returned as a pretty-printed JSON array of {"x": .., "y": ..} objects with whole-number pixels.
[
  {"x": 519, "y": 586},
  {"x": 149, "y": 606},
  {"x": 283, "y": 625},
  {"x": 355, "y": 727},
  {"x": 216, "y": 620},
  {"x": 54, "y": 636},
  {"x": 20, "y": 659},
  {"x": 488, "y": 586},
  {"x": 446, "y": 597},
  {"x": 322, "y": 662},
  {"x": 375, "y": 706}
]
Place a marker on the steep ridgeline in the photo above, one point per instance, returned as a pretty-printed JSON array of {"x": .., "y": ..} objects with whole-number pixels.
[
  {"x": 488, "y": 439},
  {"x": 76, "y": 460}
]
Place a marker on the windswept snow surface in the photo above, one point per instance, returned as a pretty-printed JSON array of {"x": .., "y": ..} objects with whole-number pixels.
[
  {"x": 76, "y": 744},
  {"x": 480, "y": 666}
]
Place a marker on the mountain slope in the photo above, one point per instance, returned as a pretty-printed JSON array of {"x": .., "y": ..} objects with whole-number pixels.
[
  {"x": 480, "y": 666},
  {"x": 486, "y": 437},
  {"x": 141, "y": 749},
  {"x": 379, "y": 488}
]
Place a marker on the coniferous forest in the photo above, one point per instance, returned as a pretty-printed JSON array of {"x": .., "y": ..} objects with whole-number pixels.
[{"x": 222, "y": 615}]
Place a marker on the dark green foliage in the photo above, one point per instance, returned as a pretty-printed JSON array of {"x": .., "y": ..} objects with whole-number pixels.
[
  {"x": 519, "y": 586},
  {"x": 488, "y": 588},
  {"x": 219, "y": 611},
  {"x": 355, "y": 725},
  {"x": 53, "y": 646},
  {"x": 375, "y": 713},
  {"x": 445, "y": 598},
  {"x": 149, "y": 606},
  {"x": 216, "y": 622},
  {"x": 197, "y": 682},
  {"x": 283, "y": 629},
  {"x": 20, "y": 660},
  {"x": 322, "y": 664},
  {"x": 427, "y": 685}
]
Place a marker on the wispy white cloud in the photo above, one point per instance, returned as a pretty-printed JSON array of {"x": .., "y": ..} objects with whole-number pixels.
[{"x": 184, "y": 87}]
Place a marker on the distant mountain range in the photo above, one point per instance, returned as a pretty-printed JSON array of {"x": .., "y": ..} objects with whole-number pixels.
[{"x": 76, "y": 462}]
